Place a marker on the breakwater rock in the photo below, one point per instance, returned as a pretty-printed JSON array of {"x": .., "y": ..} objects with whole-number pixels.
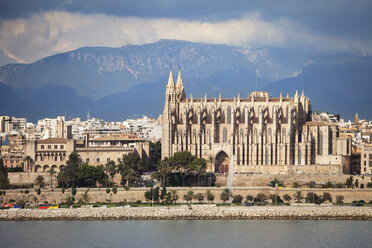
[{"x": 194, "y": 212}]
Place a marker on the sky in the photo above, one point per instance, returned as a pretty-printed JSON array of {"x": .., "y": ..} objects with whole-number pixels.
[{"x": 33, "y": 29}]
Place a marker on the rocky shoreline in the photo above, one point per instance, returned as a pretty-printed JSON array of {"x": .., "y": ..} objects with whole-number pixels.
[{"x": 193, "y": 213}]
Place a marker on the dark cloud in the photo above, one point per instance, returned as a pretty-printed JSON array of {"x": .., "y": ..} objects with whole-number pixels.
[{"x": 334, "y": 17}]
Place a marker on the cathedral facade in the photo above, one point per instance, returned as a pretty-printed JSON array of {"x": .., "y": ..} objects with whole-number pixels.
[{"x": 259, "y": 134}]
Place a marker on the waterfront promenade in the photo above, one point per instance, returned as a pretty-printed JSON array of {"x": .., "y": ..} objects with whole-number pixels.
[{"x": 193, "y": 212}]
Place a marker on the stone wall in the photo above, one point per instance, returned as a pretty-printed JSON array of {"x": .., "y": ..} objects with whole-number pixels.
[
  {"x": 134, "y": 194},
  {"x": 263, "y": 180}
]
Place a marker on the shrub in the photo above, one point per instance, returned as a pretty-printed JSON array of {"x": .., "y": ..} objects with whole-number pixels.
[
  {"x": 298, "y": 196},
  {"x": 369, "y": 185},
  {"x": 362, "y": 185},
  {"x": 225, "y": 195},
  {"x": 11, "y": 200},
  {"x": 287, "y": 197},
  {"x": 188, "y": 196},
  {"x": 295, "y": 184},
  {"x": 339, "y": 198},
  {"x": 312, "y": 197},
  {"x": 237, "y": 199},
  {"x": 27, "y": 191},
  {"x": 107, "y": 190},
  {"x": 275, "y": 198},
  {"x": 114, "y": 190},
  {"x": 327, "y": 197},
  {"x": 210, "y": 196},
  {"x": 70, "y": 200},
  {"x": 63, "y": 190},
  {"x": 260, "y": 198},
  {"x": 73, "y": 191},
  {"x": 138, "y": 202},
  {"x": 249, "y": 198},
  {"x": 21, "y": 203},
  {"x": 38, "y": 191},
  {"x": 199, "y": 197},
  {"x": 312, "y": 184}
]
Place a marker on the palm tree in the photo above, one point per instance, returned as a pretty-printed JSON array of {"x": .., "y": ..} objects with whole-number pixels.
[
  {"x": 52, "y": 171},
  {"x": 40, "y": 181},
  {"x": 130, "y": 175},
  {"x": 29, "y": 161},
  {"x": 211, "y": 160},
  {"x": 62, "y": 177},
  {"x": 111, "y": 169},
  {"x": 164, "y": 170}
]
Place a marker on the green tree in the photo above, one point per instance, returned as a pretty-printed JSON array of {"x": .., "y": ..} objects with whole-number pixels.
[
  {"x": 40, "y": 181},
  {"x": 356, "y": 183},
  {"x": 225, "y": 195},
  {"x": 114, "y": 190},
  {"x": 89, "y": 176},
  {"x": 108, "y": 191},
  {"x": 180, "y": 162},
  {"x": 69, "y": 173},
  {"x": 287, "y": 197},
  {"x": 237, "y": 199},
  {"x": 130, "y": 168},
  {"x": 295, "y": 184},
  {"x": 156, "y": 154},
  {"x": 209, "y": 195},
  {"x": 298, "y": 196},
  {"x": 188, "y": 196},
  {"x": 4, "y": 181}
]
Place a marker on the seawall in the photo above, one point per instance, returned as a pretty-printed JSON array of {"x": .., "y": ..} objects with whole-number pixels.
[{"x": 193, "y": 213}]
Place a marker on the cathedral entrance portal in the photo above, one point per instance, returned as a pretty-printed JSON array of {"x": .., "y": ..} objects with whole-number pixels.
[{"x": 222, "y": 163}]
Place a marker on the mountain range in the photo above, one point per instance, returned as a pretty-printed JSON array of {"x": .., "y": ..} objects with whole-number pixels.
[{"x": 117, "y": 83}]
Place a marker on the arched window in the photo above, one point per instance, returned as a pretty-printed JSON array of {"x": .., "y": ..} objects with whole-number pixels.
[
  {"x": 224, "y": 139},
  {"x": 229, "y": 115}
]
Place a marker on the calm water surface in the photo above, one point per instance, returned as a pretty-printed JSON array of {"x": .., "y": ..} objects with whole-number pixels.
[{"x": 186, "y": 233}]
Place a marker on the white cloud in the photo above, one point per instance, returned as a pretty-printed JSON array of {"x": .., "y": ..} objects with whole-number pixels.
[{"x": 27, "y": 40}]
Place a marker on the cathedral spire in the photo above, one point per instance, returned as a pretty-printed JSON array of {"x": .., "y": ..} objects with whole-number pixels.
[
  {"x": 356, "y": 119},
  {"x": 180, "y": 90},
  {"x": 170, "y": 85}
]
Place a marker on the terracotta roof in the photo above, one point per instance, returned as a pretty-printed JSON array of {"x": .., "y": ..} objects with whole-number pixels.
[
  {"x": 117, "y": 138},
  {"x": 52, "y": 140},
  {"x": 318, "y": 123}
]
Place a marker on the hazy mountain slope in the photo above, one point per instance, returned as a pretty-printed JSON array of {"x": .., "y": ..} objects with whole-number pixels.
[
  {"x": 336, "y": 84},
  {"x": 96, "y": 72},
  {"x": 12, "y": 104}
]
